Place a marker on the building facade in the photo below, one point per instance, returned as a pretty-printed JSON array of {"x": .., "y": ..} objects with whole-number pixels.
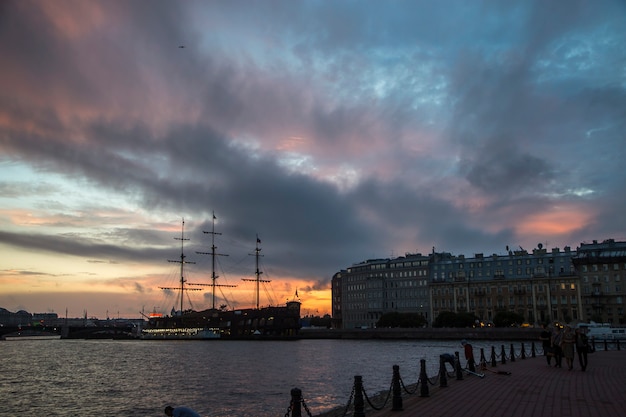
[
  {"x": 601, "y": 267},
  {"x": 540, "y": 285},
  {"x": 377, "y": 286}
]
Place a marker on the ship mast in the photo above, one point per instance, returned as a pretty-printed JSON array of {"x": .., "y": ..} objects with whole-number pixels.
[
  {"x": 258, "y": 280},
  {"x": 213, "y": 255},
  {"x": 182, "y": 263}
]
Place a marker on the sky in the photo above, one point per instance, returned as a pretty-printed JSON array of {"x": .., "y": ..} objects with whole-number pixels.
[{"x": 334, "y": 131}]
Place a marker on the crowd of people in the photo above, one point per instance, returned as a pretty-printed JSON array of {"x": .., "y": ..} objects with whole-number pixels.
[{"x": 563, "y": 343}]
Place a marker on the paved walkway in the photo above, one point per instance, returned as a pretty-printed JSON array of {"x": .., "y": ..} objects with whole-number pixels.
[{"x": 533, "y": 389}]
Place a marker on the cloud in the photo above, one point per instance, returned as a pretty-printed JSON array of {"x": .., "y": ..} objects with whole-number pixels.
[{"x": 336, "y": 132}]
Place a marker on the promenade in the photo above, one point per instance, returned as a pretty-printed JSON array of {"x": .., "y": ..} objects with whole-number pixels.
[{"x": 533, "y": 389}]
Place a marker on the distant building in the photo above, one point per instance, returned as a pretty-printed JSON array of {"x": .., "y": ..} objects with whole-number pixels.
[
  {"x": 46, "y": 318},
  {"x": 540, "y": 285},
  {"x": 601, "y": 267},
  {"x": 337, "y": 317},
  {"x": 21, "y": 318},
  {"x": 365, "y": 291}
]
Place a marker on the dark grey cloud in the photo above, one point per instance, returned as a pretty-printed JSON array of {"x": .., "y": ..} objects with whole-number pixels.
[{"x": 509, "y": 110}]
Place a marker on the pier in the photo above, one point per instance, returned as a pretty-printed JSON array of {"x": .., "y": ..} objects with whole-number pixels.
[{"x": 525, "y": 387}]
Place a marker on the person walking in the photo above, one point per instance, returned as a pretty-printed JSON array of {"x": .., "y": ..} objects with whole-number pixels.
[
  {"x": 557, "y": 338},
  {"x": 546, "y": 342},
  {"x": 180, "y": 412},
  {"x": 582, "y": 348},
  {"x": 567, "y": 345}
]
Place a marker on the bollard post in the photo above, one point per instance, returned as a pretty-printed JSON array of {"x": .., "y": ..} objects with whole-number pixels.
[
  {"x": 606, "y": 345},
  {"x": 459, "y": 371},
  {"x": 483, "y": 359},
  {"x": 532, "y": 350},
  {"x": 359, "y": 404},
  {"x": 296, "y": 401},
  {"x": 523, "y": 351},
  {"x": 503, "y": 355},
  {"x": 512, "y": 353},
  {"x": 443, "y": 377},
  {"x": 423, "y": 379},
  {"x": 397, "y": 390},
  {"x": 493, "y": 356},
  {"x": 617, "y": 341}
]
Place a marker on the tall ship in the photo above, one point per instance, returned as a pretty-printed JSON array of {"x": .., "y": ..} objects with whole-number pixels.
[{"x": 273, "y": 322}]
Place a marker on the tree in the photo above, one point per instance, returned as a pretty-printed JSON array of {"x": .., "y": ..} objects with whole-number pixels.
[
  {"x": 452, "y": 319},
  {"x": 405, "y": 320},
  {"x": 507, "y": 319},
  {"x": 321, "y": 321}
]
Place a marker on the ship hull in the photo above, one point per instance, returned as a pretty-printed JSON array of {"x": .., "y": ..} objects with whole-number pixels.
[{"x": 269, "y": 323}]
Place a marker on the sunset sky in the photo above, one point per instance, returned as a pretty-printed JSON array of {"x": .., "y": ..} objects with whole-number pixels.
[{"x": 336, "y": 131}]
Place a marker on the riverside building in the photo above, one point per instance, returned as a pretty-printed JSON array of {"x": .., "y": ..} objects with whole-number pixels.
[
  {"x": 601, "y": 267},
  {"x": 365, "y": 291},
  {"x": 541, "y": 285}
]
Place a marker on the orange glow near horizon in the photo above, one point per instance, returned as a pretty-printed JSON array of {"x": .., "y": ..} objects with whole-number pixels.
[
  {"x": 127, "y": 289},
  {"x": 557, "y": 222}
]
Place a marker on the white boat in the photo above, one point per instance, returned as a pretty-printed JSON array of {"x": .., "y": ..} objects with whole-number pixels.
[{"x": 602, "y": 331}]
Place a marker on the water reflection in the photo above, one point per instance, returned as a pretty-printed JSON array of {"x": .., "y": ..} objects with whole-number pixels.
[{"x": 217, "y": 378}]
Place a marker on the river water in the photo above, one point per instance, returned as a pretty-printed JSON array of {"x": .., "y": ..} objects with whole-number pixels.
[{"x": 216, "y": 378}]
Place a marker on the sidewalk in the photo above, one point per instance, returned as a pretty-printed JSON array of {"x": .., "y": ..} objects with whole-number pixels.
[{"x": 533, "y": 389}]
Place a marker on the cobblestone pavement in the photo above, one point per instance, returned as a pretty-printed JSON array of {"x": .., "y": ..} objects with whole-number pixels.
[{"x": 533, "y": 389}]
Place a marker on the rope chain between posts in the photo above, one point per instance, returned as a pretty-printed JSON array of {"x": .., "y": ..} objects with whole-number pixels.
[
  {"x": 406, "y": 389},
  {"x": 290, "y": 408},
  {"x": 434, "y": 380},
  {"x": 345, "y": 411},
  {"x": 518, "y": 356},
  {"x": 306, "y": 408},
  {"x": 386, "y": 399}
]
